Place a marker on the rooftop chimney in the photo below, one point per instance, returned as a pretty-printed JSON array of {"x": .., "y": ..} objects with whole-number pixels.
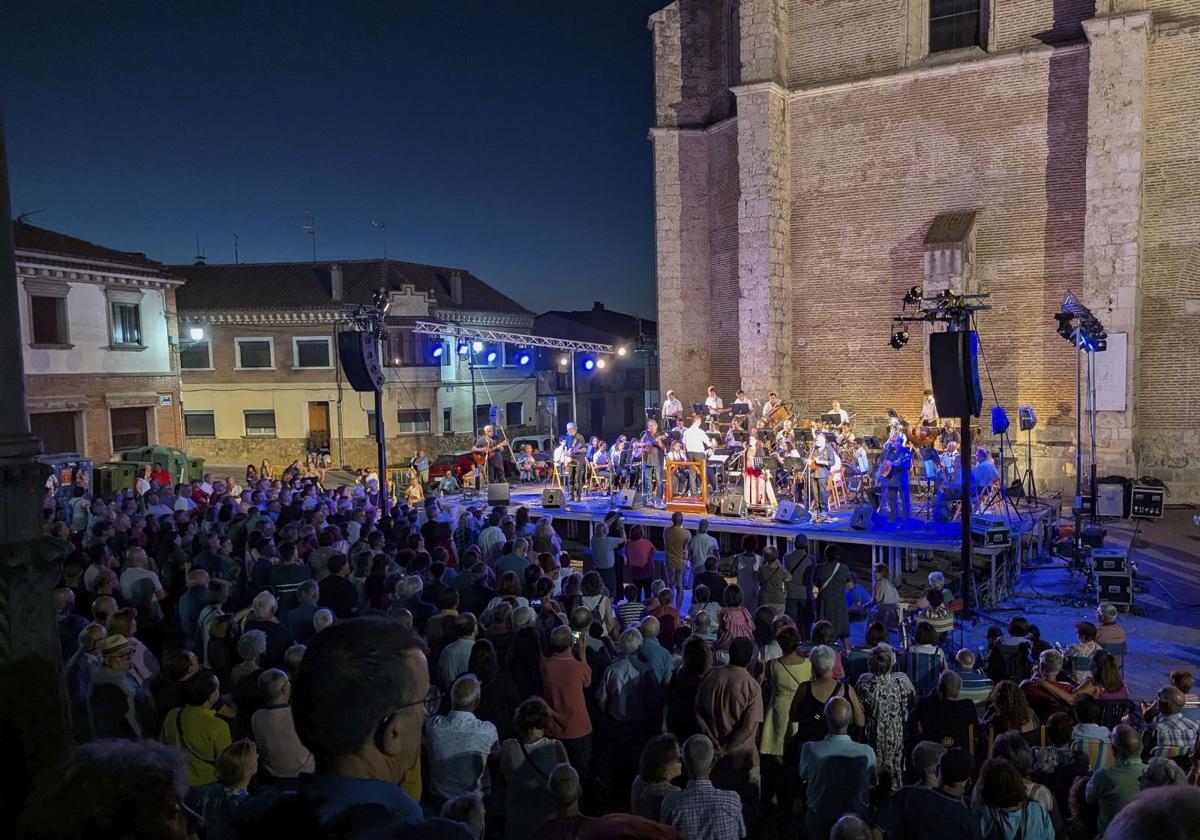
[
  {"x": 335, "y": 282},
  {"x": 456, "y": 287},
  {"x": 597, "y": 306}
]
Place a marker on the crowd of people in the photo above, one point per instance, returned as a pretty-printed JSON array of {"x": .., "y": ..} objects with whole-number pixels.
[{"x": 281, "y": 659}]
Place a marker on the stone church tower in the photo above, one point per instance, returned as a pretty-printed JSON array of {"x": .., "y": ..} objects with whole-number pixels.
[{"x": 814, "y": 159}]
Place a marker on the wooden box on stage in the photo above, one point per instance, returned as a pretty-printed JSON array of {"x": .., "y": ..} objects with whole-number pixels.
[{"x": 687, "y": 504}]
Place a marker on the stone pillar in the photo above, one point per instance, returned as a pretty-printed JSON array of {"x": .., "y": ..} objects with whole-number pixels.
[
  {"x": 764, "y": 41},
  {"x": 1112, "y": 255},
  {"x": 764, "y": 212},
  {"x": 33, "y": 711}
]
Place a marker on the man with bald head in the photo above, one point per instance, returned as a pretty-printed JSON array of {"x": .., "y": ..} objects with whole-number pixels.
[
  {"x": 1112, "y": 788},
  {"x": 838, "y": 773},
  {"x": 1170, "y": 813},
  {"x": 460, "y": 745},
  {"x": 1170, "y": 727}
]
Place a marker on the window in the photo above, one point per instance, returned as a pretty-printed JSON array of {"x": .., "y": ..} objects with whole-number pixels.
[
  {"x": 196, "y": 356},
  {"x": 129, "y": 428},
  {"x": 447, "y": 421},
  {"x": 48, "y": 320},
  {"x": 199, "y": 424},
  {"x": 313, "y": 352},
  {"x": 483, "y": 416},
  {"x": 255, "y": 353},
  {"x": 514, "y": 413},
  {"x": 126, "y": 323},
  {"x": 953, "y": 24},
  {"x": 412, "y": 421},
  {"x": 260, "y": 423},
  {"x": 57, "y": 430},
  {"x": 630, "y": 417},
  {"x": 371, "y": 424},
  {"x": 562, "y": 381},
  {"x": 409, "y": 349},
  {"x": 598, "y": 416}
]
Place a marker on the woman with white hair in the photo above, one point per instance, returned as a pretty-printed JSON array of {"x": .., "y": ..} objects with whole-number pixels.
[
  {"x": 808, "y": 706},
  {"x": 250, "y": 647},
  {"x": 887, "y": 698}
]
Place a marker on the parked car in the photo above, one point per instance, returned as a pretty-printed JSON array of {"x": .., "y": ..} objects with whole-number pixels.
[
  {"x": 457, "y": 463},
  {"x": 541, "y": 443}
]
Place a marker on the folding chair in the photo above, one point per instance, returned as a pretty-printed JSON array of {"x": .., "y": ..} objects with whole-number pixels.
[
  {"x": 1099, "y": 753},
  {"x": 1119, "y": 650},
  {"x": 923, "y": 670}
]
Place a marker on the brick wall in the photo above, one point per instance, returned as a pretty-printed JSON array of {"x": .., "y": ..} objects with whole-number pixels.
[{"x": 1168, "y": 440}]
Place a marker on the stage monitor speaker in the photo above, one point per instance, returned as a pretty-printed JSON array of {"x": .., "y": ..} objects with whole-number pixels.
[
  {"x": 999, "y": 420},
  {"x": 498, "y": 493},
  {"x": 1027, "y": 417},
  {"x": 627, "y": 498},
  {"x": 786, "y": 512},
  {"x": 358, "y": 353},
  {"x": 552, "y": 497},
  {"x": 733, "y": 505},
  {"x": 954, "y": 368},
  {"x": 860, "y": 520}
]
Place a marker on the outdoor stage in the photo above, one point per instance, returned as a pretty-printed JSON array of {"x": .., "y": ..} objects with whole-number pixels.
[{"x": 916, "y": 544}]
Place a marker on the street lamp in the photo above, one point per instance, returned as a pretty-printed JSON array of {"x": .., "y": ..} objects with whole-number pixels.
[{"x": 196, "y": 333}]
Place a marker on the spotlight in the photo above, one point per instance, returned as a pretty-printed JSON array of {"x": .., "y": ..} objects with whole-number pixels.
[
  {"x": 563, "y": 361},
  {"x": 600, "y": 363},
  {"x": 914, "y": 295},
  {"x": 523, "y": 357},
  {"x": 589, "y": 364},
  {"x": 1064, "y": 325},
  {"x": 621, "y": 351},
  {"x": 945, "y": 296},
  {"x": 437, "y": 352},
  {"x": 899, "y": 339},
  {"x": 464, "y": 349},
  {"x": 477, "y": 346},
  {"x": 197, "y": 333},
  {"x": 491, "y": 356}
]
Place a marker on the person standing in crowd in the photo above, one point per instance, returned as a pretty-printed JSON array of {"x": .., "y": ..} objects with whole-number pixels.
[
  {"x": 729, "y": 710},
  {"x": 701, "y": 809},
  {"x": 838, "y": 773},
  {"x": 675, "y": 542},
  {"x": 831, "y": 579},
  {"x": 566, "y": 676}
]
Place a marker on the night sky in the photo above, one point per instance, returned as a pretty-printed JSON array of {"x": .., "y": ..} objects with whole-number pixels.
[{"x": 507, "y": 138}]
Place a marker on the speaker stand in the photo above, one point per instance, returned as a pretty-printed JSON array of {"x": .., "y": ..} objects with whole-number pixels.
[{"x": 1028, "y": 484}]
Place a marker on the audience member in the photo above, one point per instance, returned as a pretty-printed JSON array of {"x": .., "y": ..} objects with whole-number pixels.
[
  {"x": 838, "y": 774},
  {"x": 1112, "y": 788},
  {"x": 702, "y": 811}
]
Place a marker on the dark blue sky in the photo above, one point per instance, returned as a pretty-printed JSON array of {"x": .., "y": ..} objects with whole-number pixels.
[{"x": 508, "y": 138}]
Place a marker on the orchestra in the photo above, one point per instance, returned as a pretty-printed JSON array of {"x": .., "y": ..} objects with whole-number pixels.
[{"x": 771, "y": 453}]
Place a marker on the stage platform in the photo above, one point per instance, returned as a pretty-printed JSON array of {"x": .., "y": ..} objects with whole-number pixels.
[{"x": 899, "y": 547}]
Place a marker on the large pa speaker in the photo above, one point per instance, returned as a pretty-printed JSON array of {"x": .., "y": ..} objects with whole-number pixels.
[
  {"x": 498, "y": 493},
  {"x": 954, "y": 368},
  {"x": 860, "y": 520},
  {"x": 786, "y": 512},
  {"x": 359, "y": 354},
  {"x": 552, "y": 497}
]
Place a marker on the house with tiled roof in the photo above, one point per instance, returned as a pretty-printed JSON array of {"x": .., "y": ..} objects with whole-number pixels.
[
  {"x": 98, "y": 333},
  {"x": 261, "y": 377}
]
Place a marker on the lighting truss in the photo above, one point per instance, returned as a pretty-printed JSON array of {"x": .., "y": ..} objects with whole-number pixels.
[{"x": 457, "y": 331}]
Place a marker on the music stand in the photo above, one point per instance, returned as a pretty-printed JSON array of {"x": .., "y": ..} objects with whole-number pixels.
[
  {"x": 654, "y": 413},
  {"x": 833, "y": 418},
  {"x": 740, "y": 409},
  {"x": 700, "y": 408},
  {"x": 804, "y": 436}
]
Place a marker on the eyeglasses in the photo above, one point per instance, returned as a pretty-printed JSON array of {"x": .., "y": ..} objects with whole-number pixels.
[{"x": 432, "y": 701}]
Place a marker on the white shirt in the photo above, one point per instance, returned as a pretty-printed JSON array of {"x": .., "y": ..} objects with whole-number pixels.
[
  {"x": 744, "y": 401},
  {"x": 459, "y": 745},
  {"x": 770, "y": 406},
  {"x": 131, "y": 577},
  {"x": 929, "y": 410},
  {"x": 184, "y": 503},
  {"x": 703, "y": 547},
  {"x": 695, "y": 439},
  {"x": 489, "y": 542},
  {"x": 454, "y": 661},
  {"x": 714, "y": 402},
  {"x": 672, "y": 408},
  {"x": 841, "y": 412}
]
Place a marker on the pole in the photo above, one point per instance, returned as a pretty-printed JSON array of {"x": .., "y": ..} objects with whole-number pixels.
[
  {"x": 381, "y": 445},
  {"x": 574, "y": 406},
  {"x": 337, "y": 369},
  {"x": 964, "y": 500},
  {"x": 1077, "y": 507},
  {"x": 1091, "y": 360}
]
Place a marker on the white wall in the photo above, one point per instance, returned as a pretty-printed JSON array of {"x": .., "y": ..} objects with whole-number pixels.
[{"x": 88, "y": 331}]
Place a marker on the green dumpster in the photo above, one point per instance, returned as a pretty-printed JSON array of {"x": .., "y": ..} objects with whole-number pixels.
[{"x": 174, "y": 460}]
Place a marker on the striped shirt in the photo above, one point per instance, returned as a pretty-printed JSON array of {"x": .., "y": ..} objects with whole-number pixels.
[
  {"x": 1176, "y": 731},
  {"x": 630, "y": 613}
]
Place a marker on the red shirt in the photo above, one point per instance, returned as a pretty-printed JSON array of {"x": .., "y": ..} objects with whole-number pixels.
[
  {"x": 639, "y": 559},
  {"x": 565, "y": 678},
  {"x": 668, "y": 620}
]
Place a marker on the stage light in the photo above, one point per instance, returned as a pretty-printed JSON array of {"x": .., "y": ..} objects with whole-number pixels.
[
  {"x": 588, "y": 364},
  {"x": 621, "y": 351},
  {"x": 477, "y": 346},
  {"x": 197, "y": 333},
  {"x": 914, "y": 295},
  {"x": 563, "y": 361},
  {"x": 1064, "y": 325},
  {"x": 600, "y": 363},
  {"x": 464, "y": 349},
  {"x": 523, "y": 357},
  {"x": 899, "y": 339},
  {"x": 491, "y": 356},
  {"x": 437, "y": 352}
]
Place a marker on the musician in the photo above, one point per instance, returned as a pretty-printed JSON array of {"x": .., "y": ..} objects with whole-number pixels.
[
  {"x": 672, "y": 410},
  {"x": 732, "y": 433},
  {"x": 785, "y": 433},
  {"x": 836, "y": 408},
  {"x": 984, "y": 476},
  {"x": 949, "y": 433},
  {"x": 861, "y": 462},
  {"x": 826, "y": 459},
  {"x": 683, "y": 478},
  {"x": 770, "y": 405},
  {"x": 898, "y": 458},
  {"x": 713, "y": 402},
  {"x": 488, "y": 445},
  {"x": 755, "y": 485},
  {"x": 619, "y": 458},
  {"x": 740, "y": 398},
  {"x": 651, "y": 446},
  {"x": 600, "y": 455},
  {"x": 929, "y": 415},
  {"x": 951, "y": 463},
  {"x": 783, "y": 450},
  {"x": 843, "y": 435},
  {"x": 526, "y": 465},
  {"x": 577, "y": 449},
  {"x": 697, "y": 445}
]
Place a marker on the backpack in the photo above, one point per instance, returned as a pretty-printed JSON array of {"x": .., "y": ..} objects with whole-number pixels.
[{"x": 1009, "y": 663}]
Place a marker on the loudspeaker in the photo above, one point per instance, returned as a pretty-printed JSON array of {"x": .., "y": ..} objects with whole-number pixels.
[
  {"x": 627, "y": 498},
  {"x": 1027, "y": 417},
  {"x": 999, "y": 420},
  {"x": 786, "y": 512},
  {"x": 860, "y": 520},
  {"x": 954, "y": 368},
  {"x": 358, "y": 353},
  {"x": 498, "y": 493},
  {"x": 552, "y": 497},
  {"x": 733, "y": 505}
]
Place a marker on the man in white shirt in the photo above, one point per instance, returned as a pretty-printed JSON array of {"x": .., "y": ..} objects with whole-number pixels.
[
  {"x": 703, "y": 546},
  {"x": 836, "y": 408},
  {"x": 770, "y": 405},
  {"x": 455, "y": 659},
  {"x": 672, "y": 411},
  {"x": 460, "y": 744},
  {"x": 713, "y": 401},
  {"x": 741, "y": 399},
  {"x": 137, "y": 582},
  {"x": 696, "y": 443},
  {"x": 929, "y": 414}
]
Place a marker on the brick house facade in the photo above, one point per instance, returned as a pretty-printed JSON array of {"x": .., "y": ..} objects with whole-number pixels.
[
  {"x": 98, "y": 329},
  {"x": 805, "y": 153}
]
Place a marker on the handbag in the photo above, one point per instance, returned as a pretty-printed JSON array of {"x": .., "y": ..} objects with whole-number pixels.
[{"x": 816, "y": 591}]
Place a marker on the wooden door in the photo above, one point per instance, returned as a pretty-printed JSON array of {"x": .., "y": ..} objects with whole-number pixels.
[{"x": 318, "y": 423}]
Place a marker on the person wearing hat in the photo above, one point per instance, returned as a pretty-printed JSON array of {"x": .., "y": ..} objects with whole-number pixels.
[
  {"x": 118, "y": 706},
  {"x": 933, "y": 812}
]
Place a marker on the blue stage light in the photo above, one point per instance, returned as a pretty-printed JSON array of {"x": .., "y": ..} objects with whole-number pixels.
[
  {"x": 491, "y": 356},
  {"x": 523, "y": 358},
  {"x": 437, "y": 351},
  {"x": 589, "y": 364},
  {"x": 477, "y": 346},
  {"x": 464, "y": 349}
]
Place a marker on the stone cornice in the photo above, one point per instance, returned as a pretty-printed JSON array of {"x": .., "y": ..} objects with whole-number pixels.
[
  {"x": 759, "y": 87},
  {"x": 315, "y": 316},
  {"x": 672, "y": 131},
  {"x": 484, "y": 319},
  {"x": 1117, "y": 23},
  {"x": 28, "y": 267},
  {"x": 1008, "y": 58}
]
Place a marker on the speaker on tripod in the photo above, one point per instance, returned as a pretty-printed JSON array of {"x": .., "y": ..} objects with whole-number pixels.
[{"x": 1027, "y": 418}]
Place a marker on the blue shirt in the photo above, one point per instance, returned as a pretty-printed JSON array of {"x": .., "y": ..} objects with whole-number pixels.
[
  {"x": 835, "y": 785},
  {"x": 657, "y": 657}
]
